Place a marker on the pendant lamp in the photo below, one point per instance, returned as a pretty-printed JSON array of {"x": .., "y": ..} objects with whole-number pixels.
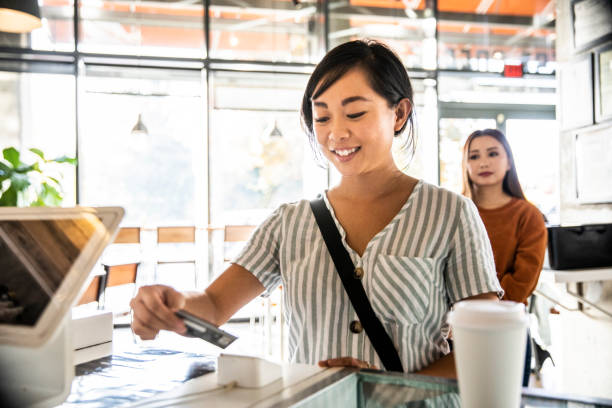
[
  {"x": 140, "y": 128},
  {"x": 19, "y": 16}
]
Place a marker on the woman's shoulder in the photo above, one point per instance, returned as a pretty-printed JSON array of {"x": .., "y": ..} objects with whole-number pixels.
[
  {"x": 529, "y": 211},
  {"x": 437, "y": 192}
]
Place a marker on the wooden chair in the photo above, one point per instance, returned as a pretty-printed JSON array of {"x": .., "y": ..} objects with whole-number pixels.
[
  {"x": 119, "y": 275},
  {"x": 94, "y": 291},
  {"x": 234, "y": 234},
  {"x": 171, "y": 237}
]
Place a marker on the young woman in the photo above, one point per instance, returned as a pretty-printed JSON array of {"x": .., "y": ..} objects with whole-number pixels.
[
  {"x": 419, "y": 246},
  {"x": 515, "y": 227}
]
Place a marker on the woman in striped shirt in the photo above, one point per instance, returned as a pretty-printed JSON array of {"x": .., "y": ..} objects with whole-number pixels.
[{"x": 421, "y": 248}]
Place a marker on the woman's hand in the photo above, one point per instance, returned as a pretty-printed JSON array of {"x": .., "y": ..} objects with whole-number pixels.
[
  {"x": 153, "y": 310},
  {"x": 346, "y": 362}
]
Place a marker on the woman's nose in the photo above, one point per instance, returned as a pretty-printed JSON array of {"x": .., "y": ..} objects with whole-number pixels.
[{"x": 338, "y": 131}]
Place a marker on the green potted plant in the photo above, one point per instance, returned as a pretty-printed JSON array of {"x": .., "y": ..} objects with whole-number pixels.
[{"x": 31, "y": 184}]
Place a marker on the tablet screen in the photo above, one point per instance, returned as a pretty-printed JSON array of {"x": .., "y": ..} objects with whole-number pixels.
[
  {"x": 46, "y": 256},
  {"x": 35, "y": 256}
]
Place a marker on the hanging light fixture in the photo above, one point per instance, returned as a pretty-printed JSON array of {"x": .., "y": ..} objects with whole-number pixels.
[
  {"x": 19, "y": 16},
  {"x": 275, "y": 131},
  {"x": 140, "y": 128}
]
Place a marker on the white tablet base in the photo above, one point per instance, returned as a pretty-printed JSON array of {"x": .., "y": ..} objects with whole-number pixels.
[{"x": 38, "y": 377}]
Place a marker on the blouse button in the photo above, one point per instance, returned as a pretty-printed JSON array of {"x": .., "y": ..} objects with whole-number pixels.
[
  {"x": 358, "y": 273},
  {"x": 356, "y": 326}
]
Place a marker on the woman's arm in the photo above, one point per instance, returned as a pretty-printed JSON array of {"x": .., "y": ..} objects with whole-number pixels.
[
  {"x": 233, "y": 289},
  {"x": 445, "y": 366},
  {"x": 154, "y": 306},
  {"x": 528, "y": 259}
]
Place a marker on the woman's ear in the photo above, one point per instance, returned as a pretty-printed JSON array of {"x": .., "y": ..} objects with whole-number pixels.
[{"x": 402, "y": 111}]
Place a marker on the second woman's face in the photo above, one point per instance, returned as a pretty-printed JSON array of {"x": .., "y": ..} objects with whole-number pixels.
[
  {"x": 354, "y": 125},
  {"x": 487, "y": 161}
]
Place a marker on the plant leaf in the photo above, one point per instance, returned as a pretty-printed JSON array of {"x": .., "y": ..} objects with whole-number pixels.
[
  {"x": 49, "y": 196},
  {"x": 5, "y": 170},
  {"x": 65, "y": 159},
  {"x": 20, "y": 182},
  {"x": 38, "y": 152},
  {"x": 9, "y": 198},
  {"x": 12, "y": 156}
]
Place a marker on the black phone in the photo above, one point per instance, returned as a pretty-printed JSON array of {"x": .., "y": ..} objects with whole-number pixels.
[{"x": 197, "y": 327}]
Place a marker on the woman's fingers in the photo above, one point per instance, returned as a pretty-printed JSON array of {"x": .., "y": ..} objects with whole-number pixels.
[
  {"x": 346, "y": 362},
  {"x": 153, "y": 310}
]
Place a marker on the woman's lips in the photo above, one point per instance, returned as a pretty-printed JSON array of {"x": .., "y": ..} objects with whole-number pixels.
[
  {"x": 344, "y": 156},
  {"x": 485, "y": 174}
]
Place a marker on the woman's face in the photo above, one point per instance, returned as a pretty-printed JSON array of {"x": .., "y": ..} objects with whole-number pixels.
[
  {"x": 354, "y": 125},
  {"x": 487, "y": 161}
]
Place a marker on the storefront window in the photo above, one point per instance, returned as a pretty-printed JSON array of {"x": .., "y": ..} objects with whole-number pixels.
[{"x": 271, "y": 30}]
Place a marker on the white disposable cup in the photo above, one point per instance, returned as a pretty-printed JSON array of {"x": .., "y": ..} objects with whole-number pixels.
[{"x": 489, "y": 340}]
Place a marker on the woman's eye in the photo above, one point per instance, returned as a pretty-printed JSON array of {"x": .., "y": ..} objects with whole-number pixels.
[
  {"x": 493, "y": 154},
  {"x": 355, "y": 115},
  {"x": 473, "y": 157},
  {"x": 321, "y": 119}
]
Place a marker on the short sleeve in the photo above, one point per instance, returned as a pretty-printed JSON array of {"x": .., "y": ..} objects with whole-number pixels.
[
  {"x": 470, "y": 268},
  {"x": 260, "y": 254}
]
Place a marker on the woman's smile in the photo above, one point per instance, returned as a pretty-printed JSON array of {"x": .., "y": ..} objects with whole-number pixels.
[{"x": 345, "y": 154}]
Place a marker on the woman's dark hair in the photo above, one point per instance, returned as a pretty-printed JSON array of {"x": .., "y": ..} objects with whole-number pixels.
[
  {"x": 510, "y": 185},
  {"x": 384, "y": 70}
]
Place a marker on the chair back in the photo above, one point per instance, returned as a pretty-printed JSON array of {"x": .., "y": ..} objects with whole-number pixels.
[
  {"x": 93, "y": 292},
  {"x": 128, "y": 235},
  {"x": 176, "y": 234}
]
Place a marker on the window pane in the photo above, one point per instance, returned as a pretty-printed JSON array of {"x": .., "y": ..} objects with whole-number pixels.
[
  {"x": 260, "y": 157},
  {"x": 168, "y": 29},
  {"x": 159, "y": 177},
  {"x": 407, "y": 26},
  {"x": 533, "y": 143},
  {"x": 56, "y": 33},
  {"x": 424, "y": 163},
  {"x": 484, "y": 39},
  {"x": 266, "y": 30},
  {"x": 453, "y": 134},
  {"x": 38, "y": 110},
  {"x": 487, "y": 88}
]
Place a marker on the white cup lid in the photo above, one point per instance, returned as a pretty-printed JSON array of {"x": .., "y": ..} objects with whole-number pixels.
[{"x": 484, "y": 314}]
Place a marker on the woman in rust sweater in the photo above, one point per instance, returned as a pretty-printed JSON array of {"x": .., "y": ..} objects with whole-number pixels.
[{"x": 515, "y": 227}]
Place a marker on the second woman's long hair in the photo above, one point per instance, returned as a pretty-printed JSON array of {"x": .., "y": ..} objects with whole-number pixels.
[{"x": 510, "y": 185}]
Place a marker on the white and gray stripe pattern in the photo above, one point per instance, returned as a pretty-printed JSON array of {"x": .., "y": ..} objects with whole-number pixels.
[{"x": 432, "y": 254}]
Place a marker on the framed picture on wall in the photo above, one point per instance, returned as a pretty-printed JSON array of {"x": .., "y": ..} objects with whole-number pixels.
[
  {"x": 591, "y": 22},
  {"x": 594, "y": 165},
  {"x": 603, "y": 84},
  {"x": 576, "y": 91}
]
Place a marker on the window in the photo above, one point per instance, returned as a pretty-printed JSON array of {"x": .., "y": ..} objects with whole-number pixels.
[
  {"x": 260, "y": 156},
  {"x": 409, "y": 27},
  {"x": 159, "y": 177},
  {"x": 38, "y": 110},
  {"x": 143, "y": 27},
  {"x": 273, "y": 30},
  {"x": 496, "y": 33}
]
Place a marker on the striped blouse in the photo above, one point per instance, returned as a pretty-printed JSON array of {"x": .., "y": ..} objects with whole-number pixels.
[{"x": 434, "y": 252}]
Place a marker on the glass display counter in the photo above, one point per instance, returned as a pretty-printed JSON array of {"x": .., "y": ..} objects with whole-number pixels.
[{"x": 370, "y": 389}]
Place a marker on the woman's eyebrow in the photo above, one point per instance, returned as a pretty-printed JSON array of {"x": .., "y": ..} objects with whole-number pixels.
[
  {"x": 350, "y": 99},
  {"x": 344, "y": 102}
]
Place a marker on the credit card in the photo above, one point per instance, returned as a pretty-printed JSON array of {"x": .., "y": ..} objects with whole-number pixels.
[{"x": 197, "y": 327}]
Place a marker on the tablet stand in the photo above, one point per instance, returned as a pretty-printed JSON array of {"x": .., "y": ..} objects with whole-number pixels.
[{"x": 38, "y": 377}]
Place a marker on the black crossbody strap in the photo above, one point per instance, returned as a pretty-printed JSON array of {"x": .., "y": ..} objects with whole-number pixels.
[{"x": 344, "y": 265}]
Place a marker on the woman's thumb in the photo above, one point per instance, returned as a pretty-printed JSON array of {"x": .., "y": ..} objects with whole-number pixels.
[{"x": 174, "y": 300}]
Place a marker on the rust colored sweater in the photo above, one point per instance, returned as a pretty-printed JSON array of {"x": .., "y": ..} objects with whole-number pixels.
[{"x": 518, "y": 237}]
